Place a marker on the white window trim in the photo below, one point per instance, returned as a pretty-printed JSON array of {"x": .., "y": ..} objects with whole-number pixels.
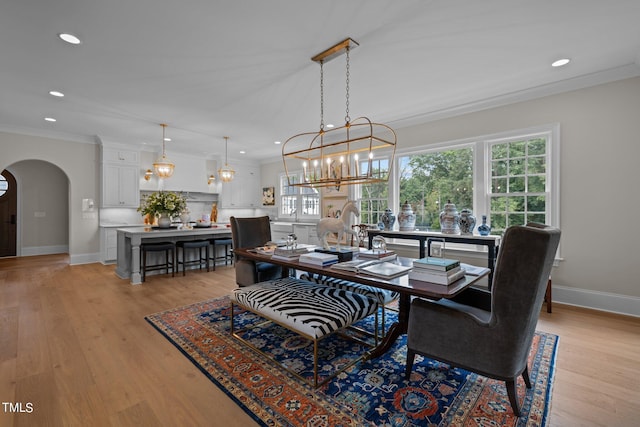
[{"x": 299, "y": 197}]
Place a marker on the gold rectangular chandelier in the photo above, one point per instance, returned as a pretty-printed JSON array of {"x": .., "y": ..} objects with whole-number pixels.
[{"x": 343, "y": 155}]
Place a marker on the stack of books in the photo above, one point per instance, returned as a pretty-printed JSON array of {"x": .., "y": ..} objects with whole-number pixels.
[
  {"x": 386, "y": 255},
  {"x": 440, "y": 271},
  {"x": 344, "y": 254},
  {"x": 290, "y": 254},
  {"x": 318, "y": 259}
]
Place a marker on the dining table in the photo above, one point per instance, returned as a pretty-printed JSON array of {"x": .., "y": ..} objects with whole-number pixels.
[{"x": 406, "y": 288}]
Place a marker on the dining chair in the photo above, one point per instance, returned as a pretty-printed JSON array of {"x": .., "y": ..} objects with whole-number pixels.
[
  {"x": 248, "y": 233},
  {"x": 490, "y": 332}
]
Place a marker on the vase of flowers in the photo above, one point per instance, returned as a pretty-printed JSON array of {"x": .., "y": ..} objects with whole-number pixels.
[{"x": 163, "y": 204}]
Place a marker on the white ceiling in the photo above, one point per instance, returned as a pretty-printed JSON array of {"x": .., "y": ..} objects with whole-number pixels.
[{"x": 242, "y": 68}]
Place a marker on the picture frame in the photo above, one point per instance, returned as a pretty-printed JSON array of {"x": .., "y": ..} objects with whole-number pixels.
[
  {"x": 332, "y": 191},
  {"x": 268, "y": 196}
]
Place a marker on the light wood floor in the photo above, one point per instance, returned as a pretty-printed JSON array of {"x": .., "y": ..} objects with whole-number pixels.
[{"x": 75, "y": 345}]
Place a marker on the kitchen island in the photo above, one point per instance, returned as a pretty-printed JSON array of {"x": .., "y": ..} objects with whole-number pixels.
[{"x": 129, "y": 240}]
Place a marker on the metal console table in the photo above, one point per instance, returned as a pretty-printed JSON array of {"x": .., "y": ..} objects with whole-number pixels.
[{"x": 491, "y": 242}]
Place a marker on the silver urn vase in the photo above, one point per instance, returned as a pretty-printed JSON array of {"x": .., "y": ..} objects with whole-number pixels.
[{"x": 450, "y": 219}]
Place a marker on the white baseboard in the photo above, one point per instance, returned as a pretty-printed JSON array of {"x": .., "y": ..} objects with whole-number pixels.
[
  {"x": 44, "y": 250},
  {"x": 75, "y": 259},
  {"x": 597, "y": 300}
]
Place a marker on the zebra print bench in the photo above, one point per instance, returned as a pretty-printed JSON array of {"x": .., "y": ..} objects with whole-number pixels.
[
  {"x": 308, "y": 309},
  {"x": 383, "y": 296}
]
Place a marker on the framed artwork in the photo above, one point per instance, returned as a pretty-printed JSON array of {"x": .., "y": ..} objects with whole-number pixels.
[
  {"x": 268, "y": 196},
  {"x": 342, "y": 191},
  {"x": 332, "y": 207}
]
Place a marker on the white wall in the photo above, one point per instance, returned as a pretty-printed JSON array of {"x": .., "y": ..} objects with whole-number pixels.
[
  {"x": 600, "y": 152},
  {"x": 80, "y": 163},
  {"x": 43, "y": 207}
]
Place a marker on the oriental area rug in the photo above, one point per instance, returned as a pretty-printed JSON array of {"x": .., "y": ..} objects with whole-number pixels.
[{"x": 371, "y": 392}]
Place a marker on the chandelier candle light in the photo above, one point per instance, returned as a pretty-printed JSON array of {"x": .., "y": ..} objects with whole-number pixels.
[
  {"x": 330, "y": 158},
  {"x": 226, "y": 173},
  {"x": 163, "y": 166}
]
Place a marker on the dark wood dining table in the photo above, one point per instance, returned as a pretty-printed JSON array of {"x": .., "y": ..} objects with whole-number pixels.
[{"x": 405, "y": 287}]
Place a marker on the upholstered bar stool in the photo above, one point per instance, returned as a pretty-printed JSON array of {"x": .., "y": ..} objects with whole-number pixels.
[
  {"x": 192, "y": 245},
  {"x": 167, "y": 247},
  {"x": 228, "y": 250}
]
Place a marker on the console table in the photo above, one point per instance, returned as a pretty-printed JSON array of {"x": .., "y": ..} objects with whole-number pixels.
[{"x": 491, "y": 242}]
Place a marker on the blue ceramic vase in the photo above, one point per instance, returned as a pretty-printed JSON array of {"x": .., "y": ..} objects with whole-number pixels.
[{"x": 484, "y": 229}]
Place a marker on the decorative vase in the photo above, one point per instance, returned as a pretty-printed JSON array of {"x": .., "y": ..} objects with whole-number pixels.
[
  {"x": 467, "y": 221},
  {"x": 406, "y": 218},
  {"x": 388, "y": 219},
  {"x": 484, "y": 229},
  {"x": 450, "y": 219},
  {"x": 164, "y": 221},
  {"x": 214, "y": 212},
  {"x": 185, "y": 217}
]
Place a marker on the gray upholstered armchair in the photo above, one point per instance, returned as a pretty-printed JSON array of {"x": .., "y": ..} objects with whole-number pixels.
[
  {"x": 250, "y": 233},
  {"x": 490, "y": 332}
]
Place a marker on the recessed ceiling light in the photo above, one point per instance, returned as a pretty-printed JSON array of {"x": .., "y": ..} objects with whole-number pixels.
[
  {"x": 56, "y": 93},
  {"x": 560, "y": 62},
  {"x": 242, "y": 152},
  {"x": 277, "y": 142},
  {"x": 168, "y": 139},
  {"x": 69, "y": 38},
  {"x": 50, "y": 119}
]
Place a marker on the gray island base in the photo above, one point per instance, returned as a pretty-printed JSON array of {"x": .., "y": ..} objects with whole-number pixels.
[{"x": 129, "y": 240}]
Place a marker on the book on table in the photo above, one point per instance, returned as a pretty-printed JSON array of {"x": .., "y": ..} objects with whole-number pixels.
[
  {"x": 437, "y": 277},
  {"x": 292, "y": 253},
  {"x": 377, "y": 254},
  {"x": 474, "y": 270},
  {"x": 385, "y": 270},
  {"x": 355, "y": 265},
  {"x": 318, "y": 258},
  {"x": 344, "y": 253},
  {"x": 431, "y": 263}
]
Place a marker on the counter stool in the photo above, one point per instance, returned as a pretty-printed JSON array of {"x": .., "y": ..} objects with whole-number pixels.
[
  {"x": 166, "y": 247},
  {"x": 228, "y": 250},
  {"x": 192, "y": 244}
]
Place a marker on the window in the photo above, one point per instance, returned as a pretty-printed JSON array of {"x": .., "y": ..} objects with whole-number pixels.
[
  {"x": 298, "y": 202},
  {"x": 511, "y": 177},
  {"x": 429, "y": 179},
  {"x": 4, "y": 185},
  {"x": 374, "y": 197},
  {"x": 518, "y": 185}
]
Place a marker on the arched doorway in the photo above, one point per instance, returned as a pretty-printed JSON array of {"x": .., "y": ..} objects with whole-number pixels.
[
  {"x": 8, "y": 214},
  {"x": 42, "y": 213}
]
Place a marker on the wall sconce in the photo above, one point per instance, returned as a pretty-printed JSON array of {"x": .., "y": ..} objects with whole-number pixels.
[
  {"x": 211, "y": 179},
  {"x": 148, "y": 174}
]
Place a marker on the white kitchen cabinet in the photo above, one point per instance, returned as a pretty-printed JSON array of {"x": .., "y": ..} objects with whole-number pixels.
[
  {"x": 123, "y": 157},
  {"x": 120, "y": 186},
  {"x": 109, "y": 249},
  {"x": 306, "y": 233},
  {"x": 280, "y": 231},
  {"x": 120, "y": 180},
  {"x": 244, "y": 190}
]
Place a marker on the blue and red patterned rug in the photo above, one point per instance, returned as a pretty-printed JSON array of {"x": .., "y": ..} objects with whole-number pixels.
[{"x": 372, "y": 392}]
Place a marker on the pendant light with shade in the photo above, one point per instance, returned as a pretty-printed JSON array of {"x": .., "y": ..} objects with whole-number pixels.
[{"x": 163, "y": 166}]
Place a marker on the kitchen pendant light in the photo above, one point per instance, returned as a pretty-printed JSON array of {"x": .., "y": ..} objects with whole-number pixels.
[
  {"x": 339, "y": 155},
  {"x": 226, "y": 173},
  {"x": 163, "y": 166}
]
